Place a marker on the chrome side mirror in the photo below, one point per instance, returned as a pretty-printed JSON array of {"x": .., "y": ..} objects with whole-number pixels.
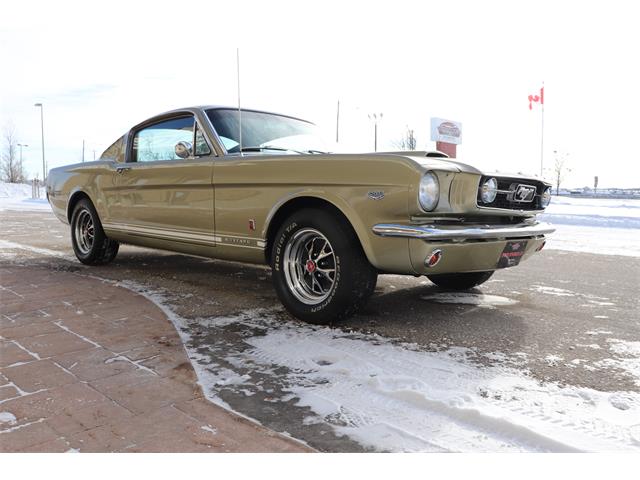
[{"x": 183, "y": 149}]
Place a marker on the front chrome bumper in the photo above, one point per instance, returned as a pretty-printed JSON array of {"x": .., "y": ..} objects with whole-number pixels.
[{"x": 457, "y": 234}]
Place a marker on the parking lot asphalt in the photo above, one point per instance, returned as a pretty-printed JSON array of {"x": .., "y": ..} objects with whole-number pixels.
[{"x": 548, "y": 310}]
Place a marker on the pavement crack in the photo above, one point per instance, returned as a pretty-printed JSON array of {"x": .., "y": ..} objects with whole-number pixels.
[{"x": 88, "y": 340}]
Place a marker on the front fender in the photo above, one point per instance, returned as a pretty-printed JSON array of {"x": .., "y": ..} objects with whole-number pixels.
[{"x": 362, "y": 213}]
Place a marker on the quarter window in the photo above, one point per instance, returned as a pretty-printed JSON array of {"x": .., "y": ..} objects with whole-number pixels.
[{"x": 202, "y": 148}]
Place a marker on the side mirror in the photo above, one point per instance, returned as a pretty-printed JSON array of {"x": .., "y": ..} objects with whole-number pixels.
[{"x": 183, "y": 149}]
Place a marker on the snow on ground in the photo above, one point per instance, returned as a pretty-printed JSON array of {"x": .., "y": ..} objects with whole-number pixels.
[
  {"x": 7, "y": 417},
  {"x": 17, "y": 196},
  {"x": 595, "y": 225},
  {"x": 465, "y": 298},
  {"x": 395, "y": 397}
]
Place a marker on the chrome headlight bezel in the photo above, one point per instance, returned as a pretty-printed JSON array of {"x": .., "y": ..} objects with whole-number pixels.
[
  {"x": 489, "y": 190},
  {"x": 545, "y": 198},
  {"x": 429, "y": 191}
]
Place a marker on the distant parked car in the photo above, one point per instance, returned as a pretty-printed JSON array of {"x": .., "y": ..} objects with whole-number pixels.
[{"x": 327, "y": 224}]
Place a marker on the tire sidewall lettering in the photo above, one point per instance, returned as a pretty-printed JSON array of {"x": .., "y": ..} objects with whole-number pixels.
[{"x": 336, "y": 286}]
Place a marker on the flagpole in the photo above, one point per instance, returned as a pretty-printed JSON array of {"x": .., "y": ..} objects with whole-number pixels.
[{"x": 542, "y": 132}]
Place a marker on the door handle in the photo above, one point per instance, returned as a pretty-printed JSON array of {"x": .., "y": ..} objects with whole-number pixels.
[{"x": 121, "y": 170}]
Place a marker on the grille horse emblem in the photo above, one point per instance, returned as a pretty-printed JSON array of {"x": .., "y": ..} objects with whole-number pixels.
[{"x": 523, "y": 193}]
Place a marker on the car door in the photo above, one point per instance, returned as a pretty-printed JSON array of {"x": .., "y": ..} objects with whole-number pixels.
[{"x": 164, "y": 190}]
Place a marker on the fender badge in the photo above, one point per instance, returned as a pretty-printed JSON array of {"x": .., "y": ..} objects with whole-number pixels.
[{"x": 377, "y": 195}]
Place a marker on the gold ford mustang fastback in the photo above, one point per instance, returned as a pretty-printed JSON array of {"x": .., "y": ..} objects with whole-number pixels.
[{"x": 258, "y": 187}]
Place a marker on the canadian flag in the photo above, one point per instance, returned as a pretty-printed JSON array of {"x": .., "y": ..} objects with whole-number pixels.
[{"x": 536, "y": 98}]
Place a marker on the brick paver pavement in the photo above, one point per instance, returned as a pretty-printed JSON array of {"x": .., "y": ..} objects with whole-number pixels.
[{"x": 91, "y": 367}]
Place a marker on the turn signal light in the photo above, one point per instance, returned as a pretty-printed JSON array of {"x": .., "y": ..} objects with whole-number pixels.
[{"x": 433, "y": 259}]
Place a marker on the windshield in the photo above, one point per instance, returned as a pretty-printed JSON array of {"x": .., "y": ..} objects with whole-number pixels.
[{"x": 265, "y": 132}]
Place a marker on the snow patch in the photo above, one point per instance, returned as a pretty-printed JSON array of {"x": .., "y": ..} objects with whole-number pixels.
[
  {"x": 479, "y": 299},
  {"x": 391, "y": 396},
  {"x": 17, "y": 196},
  {"x": 598, "y": 332},
  {"x": 560, "y": 292},
  {"x": 622, "y": 347},
  {"x": 553, "y": 360},
  {"x": 210, "y": 429},
  {"x": 8, "y": 417},
  {"x": 598, "y": 226},
  {"x": 7, "y": 245}
]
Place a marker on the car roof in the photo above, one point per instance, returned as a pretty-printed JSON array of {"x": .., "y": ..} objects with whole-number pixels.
[{"x": 227, "y": 107}]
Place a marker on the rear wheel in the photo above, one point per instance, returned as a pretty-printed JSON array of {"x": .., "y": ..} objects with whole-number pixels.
[
  {"x": 90, "y": 244},
  {"x": 460, "y": 281},
  {"x": 320, "y": 272}
]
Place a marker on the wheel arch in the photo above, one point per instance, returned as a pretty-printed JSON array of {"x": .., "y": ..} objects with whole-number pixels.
[
  {"x": 339, "y": 208},
  {"x": 74, "y": 198}
]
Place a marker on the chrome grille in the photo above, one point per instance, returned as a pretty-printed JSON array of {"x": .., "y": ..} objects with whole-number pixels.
[{"x": 511, "y": 194}]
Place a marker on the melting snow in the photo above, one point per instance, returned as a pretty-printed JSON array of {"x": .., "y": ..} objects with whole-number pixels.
[
  {"x": 7, "y": 417},
  {"x": 394, "y": 397},
  {"x": 479, "y": 299},
  {"x": 210, "y": 429},
  {"x": 560, "y": 292}
]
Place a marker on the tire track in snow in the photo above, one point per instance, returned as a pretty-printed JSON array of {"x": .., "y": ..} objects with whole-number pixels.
[{"x": 444, "y": 406}]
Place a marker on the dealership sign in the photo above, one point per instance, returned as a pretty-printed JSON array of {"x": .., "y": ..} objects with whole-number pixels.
[{"x": 446, "y": 131}]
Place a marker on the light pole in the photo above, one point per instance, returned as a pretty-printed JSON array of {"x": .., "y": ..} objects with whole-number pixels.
[
  {"x": 21, "y": 145},
  {"x": 375, "y": 117},
  {"x": 44, "y": 165}
]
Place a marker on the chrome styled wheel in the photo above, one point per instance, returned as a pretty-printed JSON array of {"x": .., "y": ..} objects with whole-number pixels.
[
  {"x": 309, "y": 266},
  {"x": 320, "y": 271},
  {"x": 84, "y": 232},
  {"x": 90, "y": 244}
]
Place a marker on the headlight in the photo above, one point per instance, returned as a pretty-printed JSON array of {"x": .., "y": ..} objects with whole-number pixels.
[
  {"x": 429, "y": 191},
  {"x": 546, "y": 198},
  {"x": 489, "y": 190}
]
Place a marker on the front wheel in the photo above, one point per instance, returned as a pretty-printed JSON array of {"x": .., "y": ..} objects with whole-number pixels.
[
  {"x": 90, "y": 244},
  {"x": 320, "y": 272},
  {"x": 460, "y": 281}
]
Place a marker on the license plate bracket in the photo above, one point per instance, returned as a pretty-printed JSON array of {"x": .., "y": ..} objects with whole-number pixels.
[{"x": 512, "y": 253}]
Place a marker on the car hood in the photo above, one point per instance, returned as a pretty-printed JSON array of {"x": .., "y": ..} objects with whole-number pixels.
[{"x": 425, "y": 160}]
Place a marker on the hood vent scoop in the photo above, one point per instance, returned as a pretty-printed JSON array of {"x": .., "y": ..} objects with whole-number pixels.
[{"x": 436, "y": 154}]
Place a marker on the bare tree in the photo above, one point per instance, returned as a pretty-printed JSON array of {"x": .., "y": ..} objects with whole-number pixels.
[
  {"x": 11, "y": 167},
  {"x": 408, "y": 141},
  {"x": 560, "y": 168}
]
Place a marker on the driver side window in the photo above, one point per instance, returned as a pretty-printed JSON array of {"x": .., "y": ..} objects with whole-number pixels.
[{"x": 158, "y": 141}]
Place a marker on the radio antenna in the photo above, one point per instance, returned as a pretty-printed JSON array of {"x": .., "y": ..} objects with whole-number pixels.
[{"x": 239, "y": 109}]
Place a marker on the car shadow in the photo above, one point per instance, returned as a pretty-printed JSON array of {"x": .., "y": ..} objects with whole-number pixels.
[{"x": 402, "y": 308}]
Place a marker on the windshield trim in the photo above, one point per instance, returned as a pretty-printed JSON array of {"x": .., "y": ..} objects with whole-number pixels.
[
  {"x": 258, "y": 111},
  {"x": 240, "y": 154}
]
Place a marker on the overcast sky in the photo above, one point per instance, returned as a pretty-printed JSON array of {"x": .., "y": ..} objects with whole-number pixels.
[{"x": 100, "y": 69}]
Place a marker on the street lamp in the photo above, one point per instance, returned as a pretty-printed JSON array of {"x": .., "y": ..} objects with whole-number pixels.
[
  {"x": 375, "y": 117},
  {"x": 44, "y": 165},
  {"x": 21, "y": 145}
]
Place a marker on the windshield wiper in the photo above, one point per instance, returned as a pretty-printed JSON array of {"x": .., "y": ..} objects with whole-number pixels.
[
  {"x": 268, "y": 147},
  {"x": 314, "y": 151},
  {"x": 279, "y": 149}
]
